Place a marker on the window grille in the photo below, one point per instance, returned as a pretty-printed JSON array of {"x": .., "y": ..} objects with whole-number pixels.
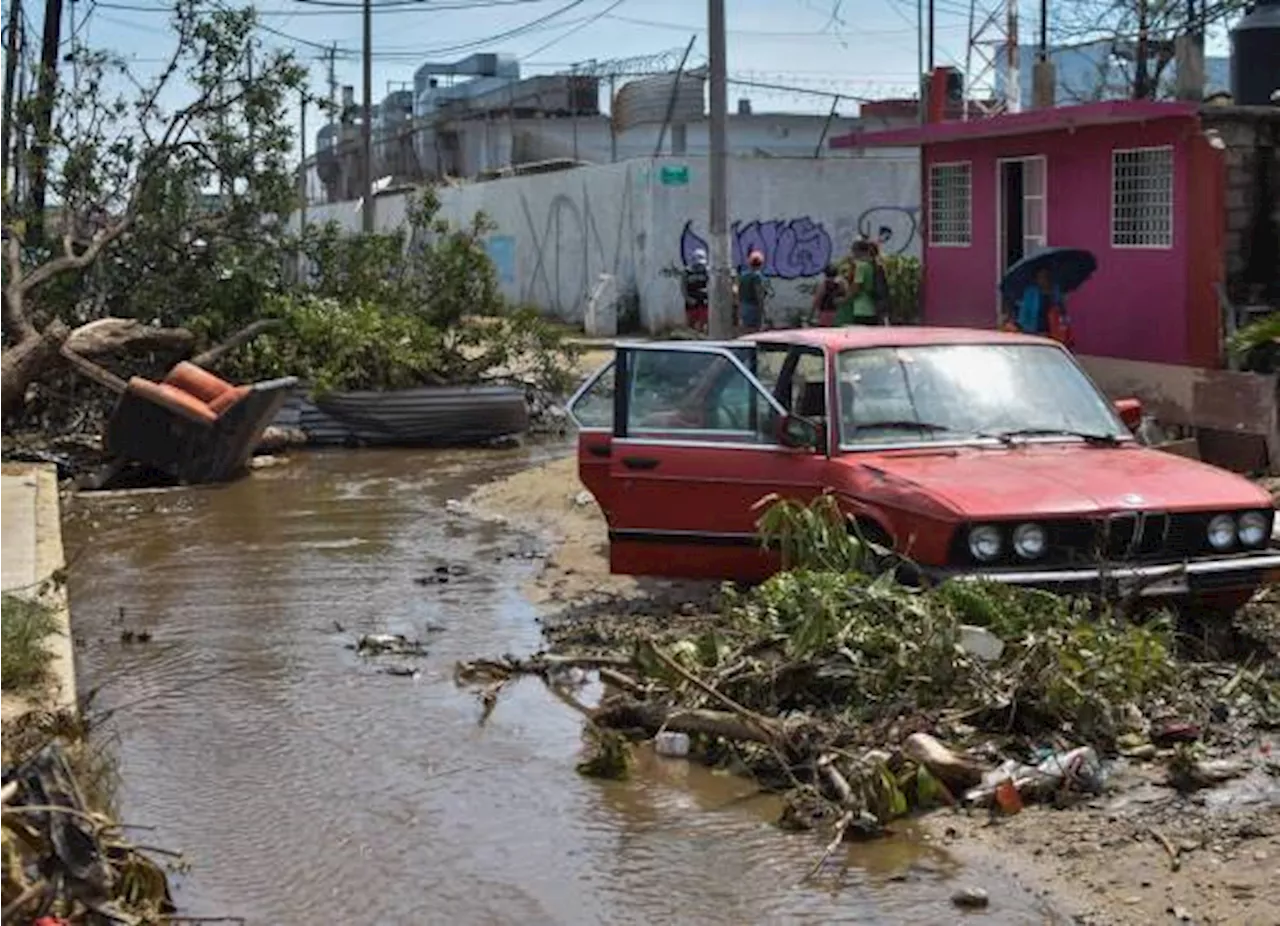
[
  {"x": 1142, "y": 198},
  {"x": 950, "y": 196}
]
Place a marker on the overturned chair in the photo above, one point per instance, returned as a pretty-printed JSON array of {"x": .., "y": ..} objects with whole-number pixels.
[{"x": 192, "y": 425}]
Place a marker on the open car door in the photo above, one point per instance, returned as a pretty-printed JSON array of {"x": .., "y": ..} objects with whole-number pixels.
[{"x": 678, "y": 444}]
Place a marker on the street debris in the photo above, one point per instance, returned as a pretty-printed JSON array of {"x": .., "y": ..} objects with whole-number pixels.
[
  {"x": 863, "y": 701},
  {"x": 388, "y": 644},
  {"x": 66, "y": 863}
]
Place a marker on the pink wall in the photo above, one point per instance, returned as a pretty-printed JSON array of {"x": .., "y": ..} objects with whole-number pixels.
[{"x": 1135, "y": 306}]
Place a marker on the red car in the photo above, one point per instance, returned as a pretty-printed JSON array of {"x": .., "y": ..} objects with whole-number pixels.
[{"x": 969, "y": 452}]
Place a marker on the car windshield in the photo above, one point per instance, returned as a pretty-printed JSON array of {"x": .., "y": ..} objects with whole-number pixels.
[{"x": 959, "y": 392}]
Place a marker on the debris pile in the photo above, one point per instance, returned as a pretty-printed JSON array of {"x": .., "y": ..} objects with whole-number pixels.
[
  {"x": 64, "y": 862},
  {"x": 864, "y": 700}
]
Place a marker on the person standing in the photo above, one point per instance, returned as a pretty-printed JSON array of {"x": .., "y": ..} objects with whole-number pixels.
[
  {"x": 752, "y": 293},
  {"x": 694, "y": 283},
  {"x": 859, "y": 306},
  {"x": 826, "y": 298}
]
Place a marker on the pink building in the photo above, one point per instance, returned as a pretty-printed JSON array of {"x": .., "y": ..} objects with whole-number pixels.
[{"x": 1143, "y": 185}]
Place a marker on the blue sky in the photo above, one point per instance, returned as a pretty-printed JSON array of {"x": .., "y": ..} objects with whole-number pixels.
[{"x": 859, "y": 48}]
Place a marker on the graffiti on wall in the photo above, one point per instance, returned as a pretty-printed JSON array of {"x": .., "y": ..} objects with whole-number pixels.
[
  {"x": 801, "y": 247},
  {"x": 792, "y": 248},
  {"x": 893, "y": 226},
  {"x": 570, "y": 246}
]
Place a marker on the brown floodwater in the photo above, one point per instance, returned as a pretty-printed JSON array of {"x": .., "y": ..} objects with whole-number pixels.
[{"x": 306, "y": 786}]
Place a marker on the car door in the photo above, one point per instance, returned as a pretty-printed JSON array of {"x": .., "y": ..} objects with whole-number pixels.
[
  {"x": 694, "y": 448},
  {"x": 593, "y": 409}
]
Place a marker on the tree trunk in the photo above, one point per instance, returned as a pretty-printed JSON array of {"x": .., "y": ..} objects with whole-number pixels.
[
  {"x": 24, "y": 363},
  {"x": 108, "y": 336}
]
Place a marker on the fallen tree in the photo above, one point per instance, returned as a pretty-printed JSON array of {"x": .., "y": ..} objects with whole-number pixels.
[{"x": 135, "y": 242}]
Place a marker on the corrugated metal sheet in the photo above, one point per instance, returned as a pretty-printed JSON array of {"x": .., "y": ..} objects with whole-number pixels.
[
  {"x": 645, "y": 101},
  {"x": 431, "y": 416}
]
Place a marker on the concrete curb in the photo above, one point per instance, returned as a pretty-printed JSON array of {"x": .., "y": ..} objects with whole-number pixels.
[{"x": 32, "y": 553}]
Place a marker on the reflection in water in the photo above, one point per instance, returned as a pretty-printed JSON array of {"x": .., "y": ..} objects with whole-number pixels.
[{"x": 308, "y": 788}]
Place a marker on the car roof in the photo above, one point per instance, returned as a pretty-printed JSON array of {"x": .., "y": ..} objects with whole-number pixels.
[{"x": 856, "y": 336}]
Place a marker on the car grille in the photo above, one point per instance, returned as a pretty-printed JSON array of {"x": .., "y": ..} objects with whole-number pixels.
[{"x": 1130, "y": 536}]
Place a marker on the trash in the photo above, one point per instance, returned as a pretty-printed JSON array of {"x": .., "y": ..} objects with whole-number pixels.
[
  {"x": 980, "y": 642},
  {"x": 971, "y": 898},
  {"x": 397, "y": 644},
  {"x": 59, "y": 854},
  {"x": 671, "y": 744},
  {"x": 583, "y": 498},
  {"x": 1007, "y": 797},
  {"x": 1175, "y": 732},
  {"x": 1079, "y": 768}
]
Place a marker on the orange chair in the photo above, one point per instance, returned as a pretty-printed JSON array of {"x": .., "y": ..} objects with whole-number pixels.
[{"x": 192, "y": 425}]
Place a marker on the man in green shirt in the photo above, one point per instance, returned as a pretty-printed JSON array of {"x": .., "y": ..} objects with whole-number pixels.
[{"x": 859, "y": 308}]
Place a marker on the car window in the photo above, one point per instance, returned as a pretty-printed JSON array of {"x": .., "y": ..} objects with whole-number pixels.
[
  {"x": 809, "y": 387},
  {"x": 962, "y": 392},
  {"x": 690, "y": 395},
  {"x": 593, "y": 407},
  {"x": 770, "y": 359}
]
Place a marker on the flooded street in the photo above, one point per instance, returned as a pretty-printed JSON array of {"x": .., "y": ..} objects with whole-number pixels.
[{"x": 306, "y": 786}]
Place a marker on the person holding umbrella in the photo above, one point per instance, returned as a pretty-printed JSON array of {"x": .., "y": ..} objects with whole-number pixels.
[{"x": 1037, "y": 286}]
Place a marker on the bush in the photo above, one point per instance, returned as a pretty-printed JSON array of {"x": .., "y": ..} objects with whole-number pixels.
[{"x": 416, "y": 307}]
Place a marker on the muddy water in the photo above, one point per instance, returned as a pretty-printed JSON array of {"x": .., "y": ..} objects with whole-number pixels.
[{"x": 307, "y": 786}]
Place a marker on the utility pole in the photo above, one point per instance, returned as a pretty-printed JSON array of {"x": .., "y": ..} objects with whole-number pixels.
[
  {"x": 1012, "y": 77},
  {"x": 920, "y": 58},
  {"x": 613, "y": 120},
  {"x": 10, "y": 72},
  {"x": 1140, "y": 56},
  {"x": 721, "y": 314},
  {"x": 333, "y": 83},
  {"x": 366, "y": 123},
  {"x": 302, "y": 164},
  {"x": 45, "y": 91}
]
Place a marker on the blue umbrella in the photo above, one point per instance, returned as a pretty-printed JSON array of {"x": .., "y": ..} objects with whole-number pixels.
[{"x": 1068, "y": 268}]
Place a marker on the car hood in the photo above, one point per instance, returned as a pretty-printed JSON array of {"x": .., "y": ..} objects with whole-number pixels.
[{"x": 1064, "y": 479}]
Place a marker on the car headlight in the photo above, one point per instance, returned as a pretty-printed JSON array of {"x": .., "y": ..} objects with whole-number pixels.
[
  {"x": 985, "y": 542},
  {"x": 1251, "y": 528},
  {"x": 1029, "y": 541},
  {"x": 1222, "y": 532}
]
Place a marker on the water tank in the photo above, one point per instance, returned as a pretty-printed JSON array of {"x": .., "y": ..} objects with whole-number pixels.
[{"x": 1255, "y": 56}]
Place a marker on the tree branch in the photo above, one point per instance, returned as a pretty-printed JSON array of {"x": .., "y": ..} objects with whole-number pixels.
[{"x": 73, "y": 261}]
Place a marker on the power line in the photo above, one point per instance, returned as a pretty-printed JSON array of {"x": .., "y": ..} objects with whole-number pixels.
[{"x": 580, "y": 26}]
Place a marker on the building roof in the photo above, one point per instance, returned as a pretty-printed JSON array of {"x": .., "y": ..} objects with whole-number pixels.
[{"x": 1059, "y": 118}]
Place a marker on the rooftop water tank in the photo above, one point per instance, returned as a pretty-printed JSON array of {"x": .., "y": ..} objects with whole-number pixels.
[{"x": 1255, "y": 56}]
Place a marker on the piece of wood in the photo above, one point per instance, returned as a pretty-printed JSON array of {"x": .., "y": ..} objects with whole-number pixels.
[
  {"x": 210, "y": 357},
  {"x": 628, "y": 714},
  {"x": 91, "y": 370}
]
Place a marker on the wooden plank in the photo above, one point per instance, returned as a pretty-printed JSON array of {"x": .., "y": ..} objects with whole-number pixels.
[{"x": 1225, "y": 400}]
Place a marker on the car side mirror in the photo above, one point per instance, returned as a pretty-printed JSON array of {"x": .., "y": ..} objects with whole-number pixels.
[
  {"x": 1130, "y": 412},
  {"x": 800, "y": 433}
]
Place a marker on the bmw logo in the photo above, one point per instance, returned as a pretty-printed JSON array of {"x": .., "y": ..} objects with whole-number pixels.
[{"x": 1132, "y": 500}]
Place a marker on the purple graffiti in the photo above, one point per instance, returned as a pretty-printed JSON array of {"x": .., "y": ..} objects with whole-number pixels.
[{"x": 792, "y": 248}]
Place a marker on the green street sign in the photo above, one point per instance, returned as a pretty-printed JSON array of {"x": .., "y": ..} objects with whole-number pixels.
[{"x": 674, "y": 176}]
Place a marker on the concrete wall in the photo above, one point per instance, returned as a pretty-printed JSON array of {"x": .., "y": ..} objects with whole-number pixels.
[{"x": 638, "y": 220}]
